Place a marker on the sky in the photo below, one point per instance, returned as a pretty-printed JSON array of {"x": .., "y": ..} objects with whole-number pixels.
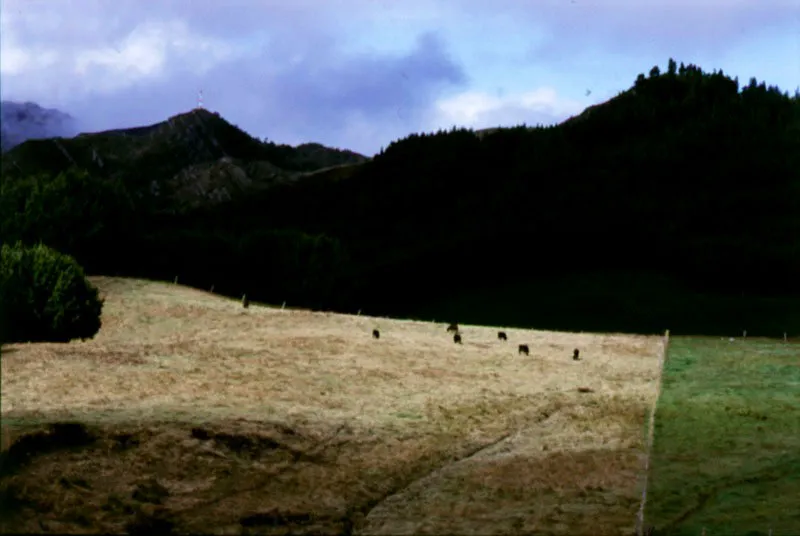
[{"x": 358, "y": 74}]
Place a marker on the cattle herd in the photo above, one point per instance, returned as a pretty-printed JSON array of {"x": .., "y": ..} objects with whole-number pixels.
[{"x": 501, "y": 335}]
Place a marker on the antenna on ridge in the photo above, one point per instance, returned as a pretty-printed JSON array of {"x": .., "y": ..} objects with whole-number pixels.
[{"x": 200, "y": 99}]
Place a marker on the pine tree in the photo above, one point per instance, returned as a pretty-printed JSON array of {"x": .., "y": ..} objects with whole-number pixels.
[{"x": 672, "y": 67}]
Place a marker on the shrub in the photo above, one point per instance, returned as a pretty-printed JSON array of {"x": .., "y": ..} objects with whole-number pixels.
[{"x": 44, "y": 296}]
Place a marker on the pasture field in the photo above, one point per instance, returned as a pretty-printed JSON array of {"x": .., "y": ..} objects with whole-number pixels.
[
  {"x": 189, "y": 413},
  {"x": 726, "y": 456}
]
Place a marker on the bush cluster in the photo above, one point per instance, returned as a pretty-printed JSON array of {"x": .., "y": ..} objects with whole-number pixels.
[{"x": 44, "y": 296}]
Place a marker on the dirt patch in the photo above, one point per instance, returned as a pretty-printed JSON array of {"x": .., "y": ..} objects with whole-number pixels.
[
  {"x": 252, "y": 477},
  {"x": 115, "y": 479},
  {"x": 182, "y": 478},
  {"x": 27, "y": 447}
]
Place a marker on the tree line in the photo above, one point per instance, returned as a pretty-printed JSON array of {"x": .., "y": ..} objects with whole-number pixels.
[{"x": 685, "y": 174}]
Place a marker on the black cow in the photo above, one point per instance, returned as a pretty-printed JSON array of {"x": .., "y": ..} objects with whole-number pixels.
[
  {"x": 452, "y": 327},
  {"x": 457, "y": 338},
  {"x": 576, "y": 354},
  {"x": 523, "y": 349},
  {"x": 502, "y": 335},
  {"x": 376, "y": 334}
]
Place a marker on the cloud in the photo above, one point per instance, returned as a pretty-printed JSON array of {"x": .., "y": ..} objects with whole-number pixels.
[
  {"x": 679, "y": 28},
  {"x": 315, "y": 93},
  {"x": 377, "y": 85},
  {"x": 358, "y": 73},
  {"x": 22, "y": 121},
  {"x": 482, "y": 110},
  {"x": 277, "y": 69},
  {"x": 147, "y": 52}
]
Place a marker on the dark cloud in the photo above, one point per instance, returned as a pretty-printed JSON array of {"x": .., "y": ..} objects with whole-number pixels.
[
  {"x": 322, "y": 89},
  {"x": 310, "y": 92}
]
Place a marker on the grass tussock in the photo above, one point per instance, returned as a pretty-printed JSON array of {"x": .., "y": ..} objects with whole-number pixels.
[{"x": 246, "y": 418}]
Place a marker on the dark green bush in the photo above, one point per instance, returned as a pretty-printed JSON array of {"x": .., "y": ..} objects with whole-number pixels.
[{"x": 44, "y": 296}]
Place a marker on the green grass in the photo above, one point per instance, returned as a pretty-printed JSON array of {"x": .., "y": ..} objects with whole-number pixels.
[{"x": 726, "y": 453}]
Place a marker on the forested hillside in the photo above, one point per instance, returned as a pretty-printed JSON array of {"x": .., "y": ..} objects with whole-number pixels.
[{"x": 675, "y": 204}]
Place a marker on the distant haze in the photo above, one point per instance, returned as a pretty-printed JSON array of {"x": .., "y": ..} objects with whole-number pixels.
[
  {"x": 20, "y": 121},
  {"x": 358, "y": 73}
]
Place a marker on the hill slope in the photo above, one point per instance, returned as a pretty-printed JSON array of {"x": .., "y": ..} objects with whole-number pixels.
[
  {"x": 685, "y": 180},
  {"x": 684, "y": 175},
  {"x": 231, "y": 419},
  {"x": 191, "y": 159}
]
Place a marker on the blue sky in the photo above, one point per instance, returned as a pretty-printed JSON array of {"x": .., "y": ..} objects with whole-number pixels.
[{"x": 358, "y": 74}]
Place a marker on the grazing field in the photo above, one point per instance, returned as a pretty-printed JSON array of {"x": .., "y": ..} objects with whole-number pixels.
[
  {"x": 188, "y": 412},
  {"x": 726, "y": 456}
]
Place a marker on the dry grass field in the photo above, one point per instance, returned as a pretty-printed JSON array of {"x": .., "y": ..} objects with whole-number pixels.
[{"x": 199, "y": 415}]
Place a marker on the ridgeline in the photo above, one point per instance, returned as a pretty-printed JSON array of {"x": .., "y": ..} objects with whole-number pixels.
[{"x": 676, "y": 204}]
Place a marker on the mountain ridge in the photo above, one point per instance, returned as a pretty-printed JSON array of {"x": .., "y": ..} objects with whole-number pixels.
[
  {"x": 21, "y": 121},
  {"x": 686, "y": 177},
  {"x": 198, "y": 146}
]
